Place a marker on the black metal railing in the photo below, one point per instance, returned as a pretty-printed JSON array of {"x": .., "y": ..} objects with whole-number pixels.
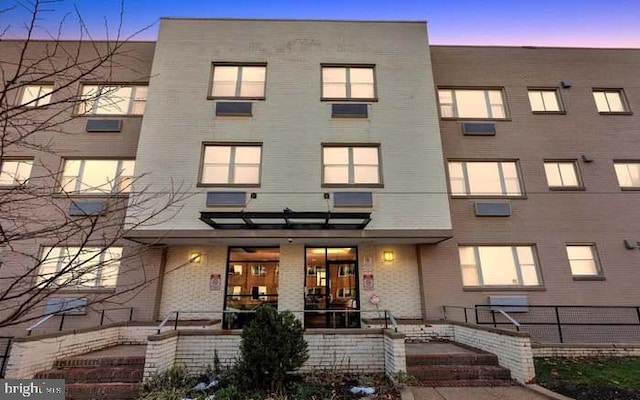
[
  {"x": 104, "y": 318},
  {"x": 556, "y": 323},
  {"x": 5, "y": 349}
]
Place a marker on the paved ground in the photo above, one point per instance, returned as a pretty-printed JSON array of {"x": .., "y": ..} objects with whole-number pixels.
[
  {"x": 415, "y": 349},
  {"x": 475, "y": 393}
]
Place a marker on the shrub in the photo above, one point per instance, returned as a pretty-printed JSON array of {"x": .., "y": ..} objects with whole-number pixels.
[
  {"x": 173, "y": 380},
  {"x": 272, "y": 347}
]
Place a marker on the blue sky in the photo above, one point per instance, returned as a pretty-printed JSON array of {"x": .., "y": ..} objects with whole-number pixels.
[{"x": 585, "y": 23}]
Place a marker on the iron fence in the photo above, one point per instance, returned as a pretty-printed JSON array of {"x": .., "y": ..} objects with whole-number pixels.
[
  {"x": 107, "y": 315},
  {"x": 556, "y": 323},
  {"x": 5, "y": 348}
]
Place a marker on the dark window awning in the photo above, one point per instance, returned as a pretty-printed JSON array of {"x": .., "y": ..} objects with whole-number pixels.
[{"x": 286, "y": 219}]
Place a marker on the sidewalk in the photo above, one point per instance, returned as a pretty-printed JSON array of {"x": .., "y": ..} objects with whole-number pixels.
[{"x": 474, "y": 393}]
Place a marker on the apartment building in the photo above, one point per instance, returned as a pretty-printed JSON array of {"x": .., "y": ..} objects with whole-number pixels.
[{"x": 334, "y": 169}]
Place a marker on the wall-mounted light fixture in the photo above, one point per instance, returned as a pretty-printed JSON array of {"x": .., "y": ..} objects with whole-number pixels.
[
  {"x": 195, "y": 257},
  {"x": 388, "y": 255}
]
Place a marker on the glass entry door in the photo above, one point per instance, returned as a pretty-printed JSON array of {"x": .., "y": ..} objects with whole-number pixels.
[{"x": 331, "y": 288}]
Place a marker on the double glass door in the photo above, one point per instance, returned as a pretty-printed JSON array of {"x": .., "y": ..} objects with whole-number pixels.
[{"x": 331, "y": 288}]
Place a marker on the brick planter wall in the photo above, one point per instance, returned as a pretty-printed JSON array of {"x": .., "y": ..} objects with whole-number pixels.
[{"x": 587, "y": 350}]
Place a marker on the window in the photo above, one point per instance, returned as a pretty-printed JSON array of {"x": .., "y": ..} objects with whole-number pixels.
[
  {"x": 84, "y": 267},
  {"x": 545, "y": 100},
  {"x": 472, "y": 103},
  {"x": 484, "y": 178},
  {"x": 97, "y": 176},
  {"x": 231, "y": 165},
  {"x": 583, "y": 260},
  {"x": 236, "y": 269},
  {"x": 258, "y": 270},
  {"x": 113, "y": 100},
  {"x": 236, "y": 291},
  {"x": 562, "y": 174},
  {"x": 259, "y": 292},
  {"x": 498, "y": 266},
  {"x": 36, "y": 95},
  {"x": 351, "y": 165},
  {"x": 628, "y": 174},
  {"x": 610, "y": 101},
  {"x": 347, "y": 83},
  {"x": 15, "y": 172},
  {"x": 312, "y": 270},
  {"x": 239, "y": 81},
  {"x": 347, "y": 270}
]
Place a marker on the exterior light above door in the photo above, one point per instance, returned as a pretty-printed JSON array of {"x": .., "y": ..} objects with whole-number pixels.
[{"x": 388, "y": 256}]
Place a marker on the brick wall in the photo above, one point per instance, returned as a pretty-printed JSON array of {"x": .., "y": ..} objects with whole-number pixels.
[
  {"x": 588, "y": 350},
  {"x": 395, "y": 356},
  {"x": 291, "y": 278},
  {"x": 419, "y": 332}
]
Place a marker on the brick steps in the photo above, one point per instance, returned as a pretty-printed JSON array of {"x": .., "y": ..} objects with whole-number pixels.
[
  {"x": 107, "y": 374},
  {"x": 458, "y": 367}
]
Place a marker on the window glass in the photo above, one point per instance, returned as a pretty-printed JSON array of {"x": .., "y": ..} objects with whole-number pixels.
[
  {"x": 609, "y": 101},
  {"x": 471, "y": 103},
  {"x": 231, "y": 164},
  {"x": 97, "y": 176},
  {"x": 348, "y": 82},
  {"x": 113, "y": 100},
  {"x": 351, "y": 165},
  {"x": 498, "y": 266},
  {"x": 484, "y": 178},
  {"x": 561, "y": 174},
  {"x": 239, "y": 81},
  {"x": 544, "y": 100},
  {"x": 582, "y": 260},
  {"x": 82, "y": 267},
  {"x": 36, "y": 95},
  {"x": 15, "y": 172},
  {"x": 628, "y": 174}
]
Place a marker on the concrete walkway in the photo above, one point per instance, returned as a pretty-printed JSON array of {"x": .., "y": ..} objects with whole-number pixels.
[{"x": 474, "y": 393}]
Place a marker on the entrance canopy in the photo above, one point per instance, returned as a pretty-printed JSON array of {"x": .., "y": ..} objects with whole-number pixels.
[{"x": 286, "y": 219}]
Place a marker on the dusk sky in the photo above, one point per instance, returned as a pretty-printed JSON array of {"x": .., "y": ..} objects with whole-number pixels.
[{"x": 584, "y": 23}]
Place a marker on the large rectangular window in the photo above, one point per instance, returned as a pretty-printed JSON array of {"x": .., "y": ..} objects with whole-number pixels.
[
  {"x": 610, "y": 101},
  {"x": 82, "y": 267},
  {"x": 472, "y": 103},
  {"x": 484, "y": 178},
  {"x": 113, "y": 99},
  {"x": 97, "y": 176},
  {"x": 354, "y": 165},
  {"x": 36, "y": 95},
  {"x": 583, "y": 260},
  {"x": 628, "y": 174},
  {"x": 239, "y": 81},
  {"x": 348, "y": 83},
  {"x": 15, "y": 172},
  {"x": 499, "y": 266},
  {"x": 231, "y": 164}
]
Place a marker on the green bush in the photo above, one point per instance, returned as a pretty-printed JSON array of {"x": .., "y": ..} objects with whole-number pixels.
[
  {"x": 173, "y": 380},
  {"x": 272, "y": 347},
  {"x": 228, "y": 393}
]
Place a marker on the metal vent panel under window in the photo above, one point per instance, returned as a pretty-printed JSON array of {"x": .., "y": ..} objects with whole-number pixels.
[
  {"x": 226, "y": 199},
  {"x": 349, "y": 111},
  {"x": 234, "y": 109},
  {"x": 492, "y": 209},
  {"x": 479, "y": 128},
  {"x": 66, "y": 306},
  {"x": 104, "y": 125},
  {"x": 352, "y": 199},
  {"x": 82, "y": 208}
]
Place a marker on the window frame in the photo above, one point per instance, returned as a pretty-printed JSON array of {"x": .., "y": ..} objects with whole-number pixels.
[
  {"x": 20, "y": 99},
  {"x": 233, "y": 145},
  {"x": 115, "y": 189},
  {"x": 350, "y": 147},
  {"x": 522, "y": 195},
  {"x": 625, "y": 188},
  {"x": 211, "y": 96},
  {"x": 478, "y": 265},
  {"x": 501, "y": 89},
  {"x": 599, "y": 275},
  {"x": 576, "y": 168},
  {"x": 101, "y": 262},
  {"x": 623, "y": 100},
  {"x": 348, "y": 97},
  {"x": 101, "y": 85},
  {"x": 561, "y": 109},
  {"x": 18, "y": 160}
]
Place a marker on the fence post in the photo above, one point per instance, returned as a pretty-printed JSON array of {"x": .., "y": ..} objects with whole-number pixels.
[
  {"x": 102, "y": 318},
  {"x": 493, "y": 318},
  {"x": 638, "y": 312},
  {"x": 62, "y": 321},
  {"x": 476, "y": 311},
  {"x": 559, "y": 325},
  {"x": 466, "y": 320},
  {"x": 386, "y": 325},
  {"x": 444, "y": 312},
  {"x": 5, "y": 356},
  {"x": 175, "y": 325},
  {"x": 131, "y": 314}
]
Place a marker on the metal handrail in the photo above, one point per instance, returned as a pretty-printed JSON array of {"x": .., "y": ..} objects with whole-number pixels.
[
  {"x": 166, "y": 319},
  {"x": 513, "y": 321},
  {"x": 37, "y": 324},
  {"x": 392, "y": 319}
]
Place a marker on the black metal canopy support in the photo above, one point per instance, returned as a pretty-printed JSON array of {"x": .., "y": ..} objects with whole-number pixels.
[{"x": 287, "y": 220}]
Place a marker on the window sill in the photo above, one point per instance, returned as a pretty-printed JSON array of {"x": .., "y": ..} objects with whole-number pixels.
[
  {"x": 503, "y": 288},
  {"x": 229, "y": 185},
  {"x": 474, "y": 119},
  {"x": 76, "y": 115},
  {"x": 235, "y": 98},
  {"x": 356, "y": 100},
  {"x": 567, "y": 188},
  {"x": 476, "y": 197},
  {"x": 615, "y": 112},
  {"x": 561, "y": 112},
  {"x": 630, "y": 188},
  {"x": 352, "y": 185},
  {"x": 102, "y": 196},
  {"x": 589, "y": 278}
]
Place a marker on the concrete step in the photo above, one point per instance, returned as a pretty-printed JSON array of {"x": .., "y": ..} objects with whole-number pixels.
[
  {"x": 456, "y": 372},
  {"x": 452, "y": 359},
  {"x": 465, "y": 383},
  {"x": 124, "y": 374},
  {"x": 85, "y": 362},
  {"x": 119, "y": 391}
]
